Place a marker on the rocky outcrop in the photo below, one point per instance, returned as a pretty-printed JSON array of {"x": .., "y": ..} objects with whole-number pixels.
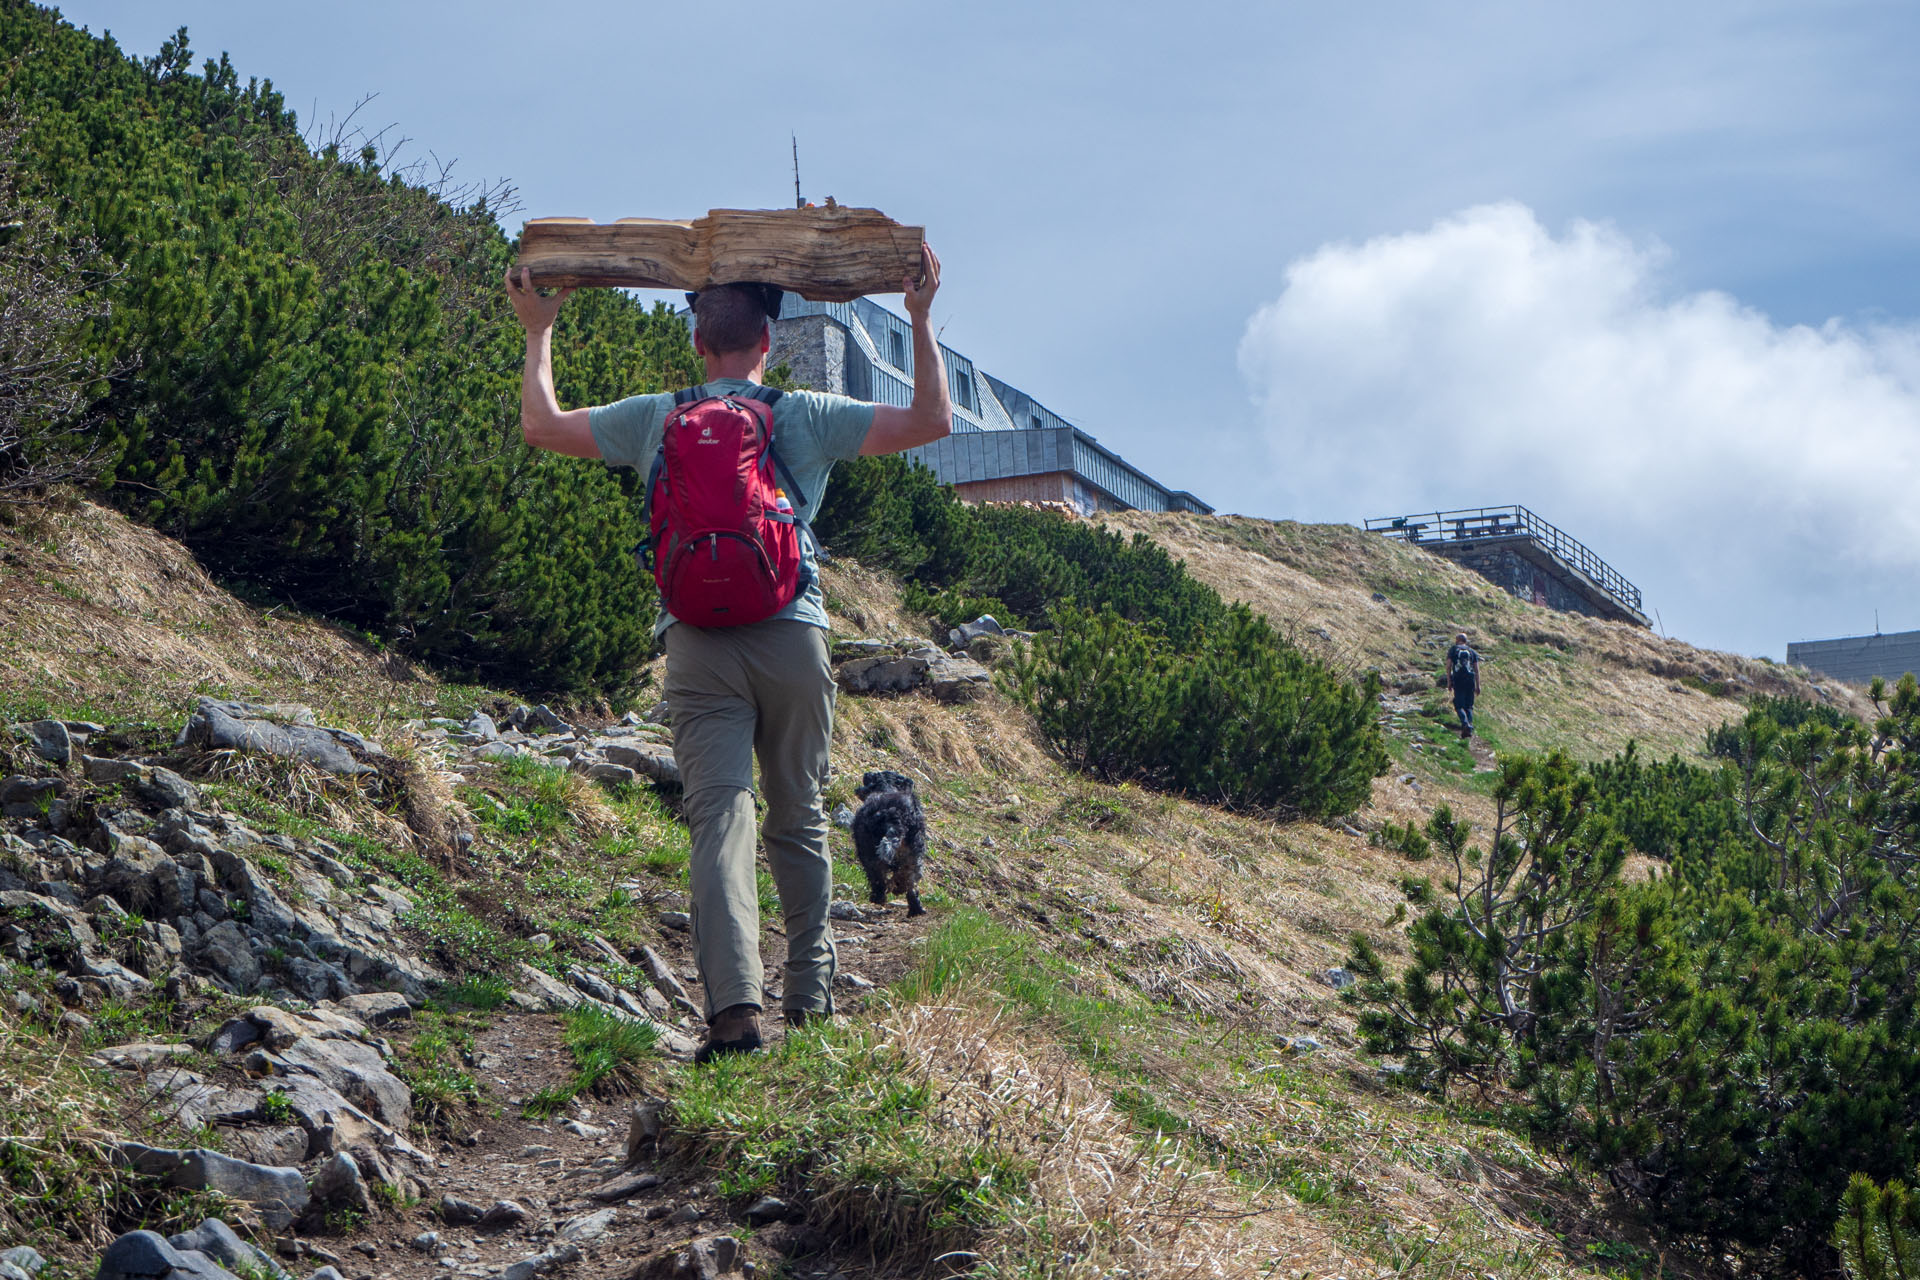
[
  {"x": 278, "y": 729},
  {"x": 873, "y": 666}
]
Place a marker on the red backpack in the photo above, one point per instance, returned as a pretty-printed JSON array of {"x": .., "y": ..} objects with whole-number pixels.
[{"x": 724, "y": 540}]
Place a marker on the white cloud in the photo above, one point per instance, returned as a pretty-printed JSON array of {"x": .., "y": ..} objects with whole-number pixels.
[{"x": 1760, "y": 482}]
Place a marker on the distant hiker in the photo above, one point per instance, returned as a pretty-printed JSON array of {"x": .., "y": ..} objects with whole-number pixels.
[
  {"x": 763, "y": 688},
  {"x": 1463, "y": 677}
]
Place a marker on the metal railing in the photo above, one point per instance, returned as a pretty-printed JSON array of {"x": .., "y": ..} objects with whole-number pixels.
[{"x": 1471, "y": 524}]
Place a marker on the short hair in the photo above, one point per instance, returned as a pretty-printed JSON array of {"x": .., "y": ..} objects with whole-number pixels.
[
  {"x": 729, "y": 318},
  {"x": 1461, "y": 636}
]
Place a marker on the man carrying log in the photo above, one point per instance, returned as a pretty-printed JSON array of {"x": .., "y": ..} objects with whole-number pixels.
[{"x": 764, "y": 688}]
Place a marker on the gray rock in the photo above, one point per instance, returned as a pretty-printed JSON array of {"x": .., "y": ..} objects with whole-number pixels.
[
  {"x": 327, "y": 1273},
  {"x": 542, "y": 720},
  {"x": 527, "y": 1268},
  {"x": 1338, "y": 979},
  {"x": 377, "y": 1008},
  {"x": 958, "y": 679},
  {"x": 624, "y": 1188},
  {"x": 106, "y": 770},
  {"x": 676, "y": 920},
  {"x": 711, "y": 1258},
  {"x": 965, "y": 634},
  {"x": 25, "y": 1259},
  {"x": 24, "y": 797},
  {"x": 216, "y": 1241},
  {"x": 663, "y": 979},
  {"x": 611, "y": 774},
  {"x": 10, "y": 1272},
  {"x": 656, "y": 762},
  {"x": 51, "y": 740},
  {"x": 165, "y": 789},
  {"x": 644, "y": 1127},
  {"x": 1303, "y": 1044},
  {"x": 224, "y": 949},
  {"x": 427, "y": 1241},
  {"x": 337, "y": 1184},
  {"x": 279, "y": 1194},
  {"x": 456, "y": 1212},
  {"x": 483, "y": 727},
  {"x": 686, "y": 1213},
  {"x": 843, "y": 910},
  {"x": 768, "y": 1209},
  {"x": 357, "y": 1073},
  {"x": 502, "y": 1214},
  {"x": 882, "y": 675},
  {"x": 588, "y": 1226},
  {"x": 245, "y": 726},
  {"x": 594, "y": 985},
  {"x": 144, "y": 1255}
]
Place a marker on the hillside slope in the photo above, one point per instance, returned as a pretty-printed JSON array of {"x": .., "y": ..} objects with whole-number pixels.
[
  {"x": 1551, "y": 680},
  {"x": 1113, "y": 1047}
]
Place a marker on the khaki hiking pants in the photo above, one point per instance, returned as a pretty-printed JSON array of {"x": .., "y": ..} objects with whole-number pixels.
[{"x": 734, "y": 693}]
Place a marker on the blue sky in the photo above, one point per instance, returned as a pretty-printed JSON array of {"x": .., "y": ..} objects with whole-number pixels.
[{"x": 1193, "y": 230}]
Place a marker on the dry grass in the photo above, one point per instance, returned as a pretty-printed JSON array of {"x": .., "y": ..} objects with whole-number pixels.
[
  {"x": 1551, "y": 679},
  {"x": 100, "y": 615},
  {"x": 1102, "y": 1200}
]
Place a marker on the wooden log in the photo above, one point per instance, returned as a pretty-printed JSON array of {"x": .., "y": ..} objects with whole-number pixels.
[{"x": 832, "y": 254}]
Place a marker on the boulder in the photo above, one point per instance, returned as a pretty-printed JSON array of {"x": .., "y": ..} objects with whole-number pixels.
[
  {"x": 165, "y": 789},
  {"x": 144, "y": 1255},
  {"x": 337, "y": 1184},
  {"x": 279, "y": 1194},
  {"x": 958, "y": 679},
  {"x": 24, "y": 797},
  {"x": 376, "y": 1008},
  {"x": 882, "y": 674},
  {"x": 357, "y": 1073},
  {"x": 648, "y": 761},
  {"x": 224, "y": 949},
  {"x": 276, "y": 730},
  {"x": 216, "y": 1241},
  {"x": 51, "y": 740},
  {"x": 611, "y": 774},
  {"x": 967, "y": 632}
]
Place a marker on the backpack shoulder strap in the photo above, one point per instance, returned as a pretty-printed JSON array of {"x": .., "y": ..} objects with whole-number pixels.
[
  {"x": 689, "y": 395},
  {"x": 768, "y": 396}
]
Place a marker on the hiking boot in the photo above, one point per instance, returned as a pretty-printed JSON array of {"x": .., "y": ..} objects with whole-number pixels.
[
  {"x": 806, "y": 1017},
  {"x": 734, "y": 1030}
]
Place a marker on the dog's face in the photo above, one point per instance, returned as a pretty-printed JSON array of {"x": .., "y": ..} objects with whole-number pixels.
[{"x": 881, "y": 781}]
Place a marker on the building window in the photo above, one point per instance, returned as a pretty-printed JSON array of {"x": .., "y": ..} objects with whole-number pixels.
[
  {"x": 897, "y": 349},
  {"x": 962, "y": 383},
  {"x": 1035, "y": 421}
]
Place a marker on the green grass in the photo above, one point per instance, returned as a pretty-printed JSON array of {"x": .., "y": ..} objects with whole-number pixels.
[
  {"x": 969, "y": 947},
  {"x": 606, "y": 1051},
  {"x": 836, "y": 1116},
  {"x": 434, "y": 1065}
]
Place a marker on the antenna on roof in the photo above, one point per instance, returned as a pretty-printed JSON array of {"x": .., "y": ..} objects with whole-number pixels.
[{"x": 798, "y": 202}]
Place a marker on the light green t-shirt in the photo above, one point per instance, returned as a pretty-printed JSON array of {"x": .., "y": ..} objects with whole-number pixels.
[{"x": 811, "y": 432}]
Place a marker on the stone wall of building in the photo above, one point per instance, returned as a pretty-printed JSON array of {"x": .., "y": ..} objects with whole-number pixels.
[
  {"x": 1048, "y": 486},
  {"x": 815, "y": 348},
  {"x": 1520, "y": 577}
]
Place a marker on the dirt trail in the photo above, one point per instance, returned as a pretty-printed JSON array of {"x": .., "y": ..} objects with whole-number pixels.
[{"x": 569, "y": 1172}]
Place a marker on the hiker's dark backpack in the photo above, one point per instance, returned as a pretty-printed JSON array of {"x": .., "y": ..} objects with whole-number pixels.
[
  {"x": 1466, "y": 665},
  {"x": 724, "y": 542}
]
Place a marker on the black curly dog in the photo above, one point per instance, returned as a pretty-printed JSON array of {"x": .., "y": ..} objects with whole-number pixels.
[{"x": 890, "y": 837}]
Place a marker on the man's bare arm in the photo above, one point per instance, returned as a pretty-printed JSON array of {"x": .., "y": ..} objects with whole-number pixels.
[
  {"x": 543, "y": 423},
  {"x": 930, "y": 416}
]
